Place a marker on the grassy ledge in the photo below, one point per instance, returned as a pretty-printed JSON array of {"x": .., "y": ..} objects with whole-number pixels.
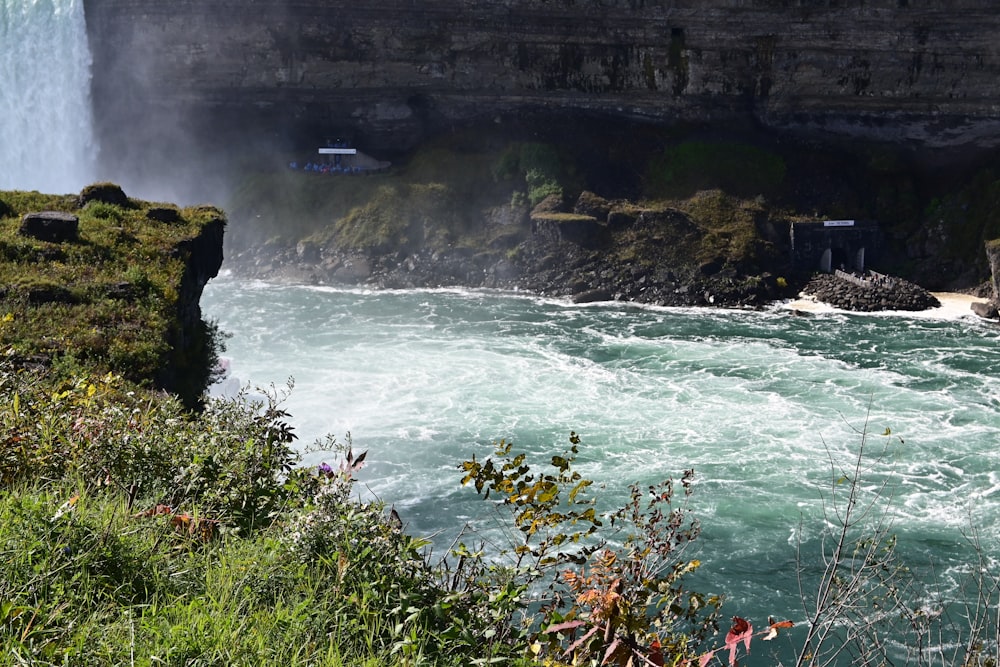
[{"x": 120, "y": 296}]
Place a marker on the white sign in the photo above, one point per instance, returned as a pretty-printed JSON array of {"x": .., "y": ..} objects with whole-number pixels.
[
  {"x": 338, "y": 151},
  {"x": 838, "y": 223}
]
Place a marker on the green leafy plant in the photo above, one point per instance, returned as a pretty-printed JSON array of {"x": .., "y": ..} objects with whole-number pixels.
[{"x": 605, "y": 605}]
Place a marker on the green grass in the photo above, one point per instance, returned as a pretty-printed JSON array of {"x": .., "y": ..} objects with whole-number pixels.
[
  {"x": 132, "y": 532},
  {"x": 97, "y": 584}
]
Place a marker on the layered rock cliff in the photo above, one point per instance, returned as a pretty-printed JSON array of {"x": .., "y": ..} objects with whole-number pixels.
[{"x": 925, "y": 72}]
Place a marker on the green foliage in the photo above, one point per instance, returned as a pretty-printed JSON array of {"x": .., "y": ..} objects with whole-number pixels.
[
  {"x": 538, "y": 164},
  {"x": 737, "y": 169},
  {"x": 86, "y": 580},
  {"x": 377, "y": 224},
  {"x": 104, "y": 211},
  {"x": 231, "y": 461},
  {"x": 728, "y": 224},
  {"x": 541, "y": 504},
  {"x": 542, "y": 171},
  {"x": 136, "y": 529},
  {"x": 508, "y": 165},
  {"x": 620, "y": 604},
  {"x": 961, "y": 223}
]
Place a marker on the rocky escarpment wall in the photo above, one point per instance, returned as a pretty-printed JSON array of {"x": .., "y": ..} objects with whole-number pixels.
[
  {"x": 192, "y": 341},
  {"x": 921, "y": 71}
]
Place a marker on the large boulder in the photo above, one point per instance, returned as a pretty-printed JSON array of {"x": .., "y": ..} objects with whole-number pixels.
[
  {"x": 107, "y": 193},
  {"x": 985, "y": 309},
  {"x": 869, "y": 293},
  {"x": 593, "y": 205},
  {"x": 52, "y": 226}
]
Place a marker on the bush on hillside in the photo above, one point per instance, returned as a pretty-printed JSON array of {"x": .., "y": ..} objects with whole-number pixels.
[{"x": 736, "y": 169}]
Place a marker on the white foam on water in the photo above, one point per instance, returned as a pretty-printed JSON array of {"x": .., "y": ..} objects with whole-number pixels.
[{"x": 46, "y": 135}]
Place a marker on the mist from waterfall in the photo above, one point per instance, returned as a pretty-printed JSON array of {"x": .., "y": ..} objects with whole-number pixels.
[{"x": 46, "y": 131}]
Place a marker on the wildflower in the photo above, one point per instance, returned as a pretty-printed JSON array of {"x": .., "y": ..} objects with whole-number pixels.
[
  {"x": 325, "y": 469},
  {"x": 65, "y": 507}
]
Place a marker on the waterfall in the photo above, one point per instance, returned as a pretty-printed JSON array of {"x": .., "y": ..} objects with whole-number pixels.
[{"x": 46, "y": 132}]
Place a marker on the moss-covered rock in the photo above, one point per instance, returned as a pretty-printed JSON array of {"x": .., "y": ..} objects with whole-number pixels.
[{"x": 106, "y": 193}]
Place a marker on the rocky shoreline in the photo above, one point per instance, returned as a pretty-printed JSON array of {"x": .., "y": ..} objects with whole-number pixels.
[
  {"x": 549, "y": 268},
  {"x": 593, "y": 250},
  {"x": 581, "y": 278}
]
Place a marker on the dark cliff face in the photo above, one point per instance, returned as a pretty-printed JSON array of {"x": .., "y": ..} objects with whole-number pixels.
[{"x": 922, "y": 72}]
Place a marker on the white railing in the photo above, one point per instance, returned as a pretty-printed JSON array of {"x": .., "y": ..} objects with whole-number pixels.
[{"x": 871, "y": 280}]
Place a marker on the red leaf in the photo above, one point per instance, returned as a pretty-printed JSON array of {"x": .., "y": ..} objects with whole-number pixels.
[
  {"x": 741, "y": 631},
  {"x": 655, "y": 654},
  {"x": 610, "y": 651},
  {"x": 568, "y": 625},
  {"x": 579, "y": 642}
]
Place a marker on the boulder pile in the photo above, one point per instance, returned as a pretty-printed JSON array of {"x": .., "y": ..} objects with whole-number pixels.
[{"x": 869, "y": 292}]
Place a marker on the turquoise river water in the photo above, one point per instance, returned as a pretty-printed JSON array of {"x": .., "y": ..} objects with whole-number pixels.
[{"x": 757, "y": 403}]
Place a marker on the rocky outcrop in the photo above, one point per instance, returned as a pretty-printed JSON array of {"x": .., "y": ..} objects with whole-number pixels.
[
  {"x": 202, "y": 257},
  {"x": 191, "y": 339},
  {"x": 990, "y": 310},
  {"x": 985, "y": 309},
  {"x": 920, "y": 72},
  {"x": 120, "y": 294}
]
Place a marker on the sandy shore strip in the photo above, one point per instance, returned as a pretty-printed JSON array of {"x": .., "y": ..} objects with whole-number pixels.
[{"x": 954, "y": 305}]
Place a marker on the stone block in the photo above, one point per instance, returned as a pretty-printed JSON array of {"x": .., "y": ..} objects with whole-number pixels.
[{"x": 53, "y": 226}]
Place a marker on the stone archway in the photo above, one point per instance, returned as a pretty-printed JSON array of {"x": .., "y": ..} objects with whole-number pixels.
[{"x": 840, "y": 258}]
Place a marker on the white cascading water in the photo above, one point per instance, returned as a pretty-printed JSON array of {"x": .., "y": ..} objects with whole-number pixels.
[{"x": 46, "y": 131}]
